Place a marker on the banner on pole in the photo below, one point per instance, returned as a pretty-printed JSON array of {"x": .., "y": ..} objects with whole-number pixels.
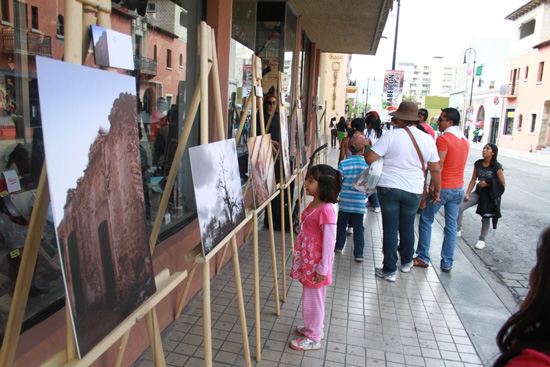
[{"x": 393, "y": 90}]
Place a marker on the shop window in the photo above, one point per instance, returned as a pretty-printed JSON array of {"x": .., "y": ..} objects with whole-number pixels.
[
  {"x": 34, "y": 17},
  {"x": 533, "y": 122},
  {"x": 508, "y": 126},
  {"x": 527, "y": 29},
  {"x": 5, "y": 8},
  {"x": 60, "y": 25},
  {"x": 162, "y": 107},
  {"x": 541, "y": 71}
]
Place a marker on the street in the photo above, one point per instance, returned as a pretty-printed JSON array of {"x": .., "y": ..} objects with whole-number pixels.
[{"x": 510, "y": 252}]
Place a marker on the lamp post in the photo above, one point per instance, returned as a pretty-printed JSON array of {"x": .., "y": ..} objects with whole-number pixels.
[
  {"x": 395, "y": 41},
  {"x": 473, "y": 71}
]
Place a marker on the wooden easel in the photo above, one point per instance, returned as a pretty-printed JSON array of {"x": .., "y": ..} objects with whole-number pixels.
[{"x": 80, "y": 15}]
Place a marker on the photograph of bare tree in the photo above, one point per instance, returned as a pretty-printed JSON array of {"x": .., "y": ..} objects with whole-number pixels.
[
  {"x": 218, "y": 191},
  {"x": 301, "y": 140},
  {"x": 261, "y": 166},
  {"x": 284, "y": 143},
  {"x": 94, "y": 175}
]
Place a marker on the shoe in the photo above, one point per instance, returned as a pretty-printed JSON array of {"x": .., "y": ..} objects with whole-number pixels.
[
  {"x": 349, "y": 231},
  {"x": 380, "y": 273},
  {"x": 359, "y": 259},
  {"x": 305, "y": 344},
  {"x": 419, "y": 263},
  {"x": 338, "y": 251},
  {"x": 406, "y": 268},
  {"x": 459, "y": 233},
  {"x": 446, "y": 270},
  {"x": 301, "y": 330},
  {"x": 480, "y": 245},
  {"x": 377, "y": 210}
]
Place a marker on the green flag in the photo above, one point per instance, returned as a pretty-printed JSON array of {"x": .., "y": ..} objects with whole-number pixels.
[{"x": 479, "y": 70}]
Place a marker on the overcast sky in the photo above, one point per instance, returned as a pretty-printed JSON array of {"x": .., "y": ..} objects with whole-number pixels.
[{"x": 429, "y": 28}]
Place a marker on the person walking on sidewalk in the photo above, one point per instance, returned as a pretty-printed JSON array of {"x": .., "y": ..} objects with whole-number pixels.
[
  {"x": 401, "y": 185},
  {"x": 341, "y": 128},
  {"x": 453, "y": 148},
  {"x": 333, "y": 132},
  {"x": 490, "y": 185},
  {"x": 374, "y": 132},
  {"x": 423, "y": 116},
  {"x": 352, "y": 202},
  {"x": 313, "y": 252},
  {"x": 524, "y": 340}
]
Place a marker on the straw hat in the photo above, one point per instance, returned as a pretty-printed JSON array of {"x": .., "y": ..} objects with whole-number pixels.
[{"x": 407, "y": 111}]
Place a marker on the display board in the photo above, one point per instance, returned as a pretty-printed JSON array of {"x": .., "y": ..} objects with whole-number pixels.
[
  {"x": 262, "y": 168},
  {"x": 94, "y": 171},
  {"x": 285, "y": 155}
]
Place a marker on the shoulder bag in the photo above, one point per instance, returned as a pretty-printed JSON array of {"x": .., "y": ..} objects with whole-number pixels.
[{"x": 424, "y": 191}]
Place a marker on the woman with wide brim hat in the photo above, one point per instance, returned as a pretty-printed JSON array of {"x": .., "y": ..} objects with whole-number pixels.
[{"x": 401, "y": 185}]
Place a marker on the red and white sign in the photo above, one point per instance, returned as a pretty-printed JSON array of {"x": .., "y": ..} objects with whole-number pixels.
[
  {"x": 12, "y": 181},
  {"x": 393, "y": 90}
]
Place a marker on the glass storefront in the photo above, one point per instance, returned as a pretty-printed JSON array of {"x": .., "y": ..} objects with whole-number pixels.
[{"x": 165, "y": 68}]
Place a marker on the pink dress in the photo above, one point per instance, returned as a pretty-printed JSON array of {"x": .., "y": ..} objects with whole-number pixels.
[{"x": 308, "y": 249}]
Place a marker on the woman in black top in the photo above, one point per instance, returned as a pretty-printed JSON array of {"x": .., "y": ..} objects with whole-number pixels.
[
  {"x": 486, "y": 172},
  {"x": 333, "y": 132}
]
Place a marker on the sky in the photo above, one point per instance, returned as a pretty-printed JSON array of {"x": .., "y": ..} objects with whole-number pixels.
[
  {"x": 441, "y": 28},
  {"x": 75, "y": 101}
]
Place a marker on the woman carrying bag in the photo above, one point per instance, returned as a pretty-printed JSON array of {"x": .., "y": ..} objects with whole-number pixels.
[{"x": 402, "y": 184}]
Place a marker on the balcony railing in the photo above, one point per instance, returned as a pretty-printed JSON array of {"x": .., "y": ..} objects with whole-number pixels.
[
  {"x": 145, "y": 66},
  {"x": 509, "y": 91},
  {"x": 26, "y": 42}
]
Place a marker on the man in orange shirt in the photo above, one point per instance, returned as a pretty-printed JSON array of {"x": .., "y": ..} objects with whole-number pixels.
[{"x": 453, "y": 148}]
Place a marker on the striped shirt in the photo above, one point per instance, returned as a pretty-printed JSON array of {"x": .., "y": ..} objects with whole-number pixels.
[{"x": 352, "y": 201}]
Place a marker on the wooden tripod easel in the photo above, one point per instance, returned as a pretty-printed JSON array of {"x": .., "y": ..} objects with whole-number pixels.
[{"x": 80, "y": 15}]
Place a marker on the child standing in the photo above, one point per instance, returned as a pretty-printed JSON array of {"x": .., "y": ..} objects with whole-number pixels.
[
  {"x": 313, "y": 252},
  {"x": 352, "y": 202}
]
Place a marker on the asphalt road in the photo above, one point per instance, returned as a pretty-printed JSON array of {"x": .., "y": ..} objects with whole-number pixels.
[{"x": 510, "y": 251}]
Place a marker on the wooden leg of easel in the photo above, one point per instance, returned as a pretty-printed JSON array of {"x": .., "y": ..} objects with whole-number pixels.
[
  {"x": 274, "y": 256},
  {"x": 150, "y": 333},
  {"x": 257, "y": 290},
  {"x": 239, "y": 286},
  {"x": 186, "y": 290},
  {"x": 153, "y": 330},
  {"x": 207, "y": 317},
  {"x": 122, "y": 348},
  {"x": 221, "y": 261}
]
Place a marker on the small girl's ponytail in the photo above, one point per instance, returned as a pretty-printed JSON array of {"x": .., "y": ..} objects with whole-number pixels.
[{"x": 330, "y": 182}]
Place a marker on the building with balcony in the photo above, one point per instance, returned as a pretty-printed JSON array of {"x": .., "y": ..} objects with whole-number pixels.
[{"x": 526, "y": 102}]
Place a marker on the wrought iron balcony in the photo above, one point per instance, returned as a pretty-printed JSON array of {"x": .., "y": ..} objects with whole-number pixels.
[
  {"x": 145, "y": 66},
  {"x": 26, "y": 42}
]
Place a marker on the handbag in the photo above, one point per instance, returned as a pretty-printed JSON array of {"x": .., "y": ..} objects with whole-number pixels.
[
  {"x": 424, "y": 191},
  {"x": 367, "y": 180}
]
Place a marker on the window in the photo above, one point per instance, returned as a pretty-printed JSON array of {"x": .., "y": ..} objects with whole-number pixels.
[
  {"x": 541, "y": 70},
  {"x": 517, "y": 74},
  {"x": 34, "y": 17},
  {"x": 527, "y": 29},
  {"x": 533, "y": 122},
  {"x": 520, "y": 121},
  {"x": 526, "y": 72},
  {"x": 155, "y": 53},
  {"x": 5, "y": 11},
  {"x": 151, "y": 7},
  {"x": 181, "y": 60},
  {"x": 509, "y": 122},
  {"x": 183, "y": 18},
  {"x": 60, "y": 25},
  {"x": 168, "y": 58}
]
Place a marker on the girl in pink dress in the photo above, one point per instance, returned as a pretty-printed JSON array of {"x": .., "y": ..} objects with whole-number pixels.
[{"x": 313, "y": 252}]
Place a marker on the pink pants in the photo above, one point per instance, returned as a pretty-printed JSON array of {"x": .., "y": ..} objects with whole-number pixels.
[{"x": 313, "y": 311}]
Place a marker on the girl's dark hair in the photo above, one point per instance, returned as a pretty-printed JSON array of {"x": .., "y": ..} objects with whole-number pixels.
[
  {"x": 418, "y": 126},
  {"x": 530, "y": 326},
  {"x": 330, "y": 182},
  {"x": 358, "y": 124},
  {"x": 373, "y": 123},
  {"x": 494, "y": 148}
]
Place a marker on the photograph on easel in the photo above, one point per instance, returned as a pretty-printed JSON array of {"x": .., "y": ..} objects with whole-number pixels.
[
  {"x": 284, "y": 143},
  {"x": 94, "y": 175},
  {"x": 261, "y": 165},
  {"x": 301, "y": 141},
  {"x": 218, "y": 190}
]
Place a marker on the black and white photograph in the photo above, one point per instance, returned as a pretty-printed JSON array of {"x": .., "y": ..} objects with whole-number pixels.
[
  {"x": 284, "y": 143},
  {"x": 94, "y": 175},
  {"x": 261, "y": 167},
  {"x": 218, "y": 190}
]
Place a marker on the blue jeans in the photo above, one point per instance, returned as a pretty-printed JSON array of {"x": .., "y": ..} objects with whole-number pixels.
[
  {"x": 451, "y": 200},
  {"x": 356, "y": 221},
  {"x": 398, "y": 212},
  {"x": 373, "y": 199}
]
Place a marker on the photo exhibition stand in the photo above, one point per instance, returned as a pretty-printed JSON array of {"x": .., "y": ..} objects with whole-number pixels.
[
  {"x": 79, "y": 17},
  {"x": 208, "y": 65}
]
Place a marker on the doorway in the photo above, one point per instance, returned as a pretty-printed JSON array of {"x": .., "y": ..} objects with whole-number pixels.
[{"x": 495, "y": 122}]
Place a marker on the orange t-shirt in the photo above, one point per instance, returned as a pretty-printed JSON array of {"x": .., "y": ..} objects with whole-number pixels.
[{"x": 452, "y": 175}]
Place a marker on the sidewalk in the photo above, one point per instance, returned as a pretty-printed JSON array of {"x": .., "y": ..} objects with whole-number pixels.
[
  {"x": 537, "y": 157},
  {"x": 426, "y": 318}
]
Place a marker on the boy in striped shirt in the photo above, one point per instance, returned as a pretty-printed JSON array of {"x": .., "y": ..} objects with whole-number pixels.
[{"x": 352, "y": 202}]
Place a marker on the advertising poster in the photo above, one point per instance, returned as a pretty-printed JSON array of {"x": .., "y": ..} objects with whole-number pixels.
[{"x": 393, "y": 90}]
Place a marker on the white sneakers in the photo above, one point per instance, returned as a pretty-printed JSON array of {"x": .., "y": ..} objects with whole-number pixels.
[
  {"x": 305, "y": 344},
  {"x": 459, "y": 233},
  {"x": 480, "y": 245},
  {"x": 349, "y": 230},
  {"x": 380, "y": 273}
]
